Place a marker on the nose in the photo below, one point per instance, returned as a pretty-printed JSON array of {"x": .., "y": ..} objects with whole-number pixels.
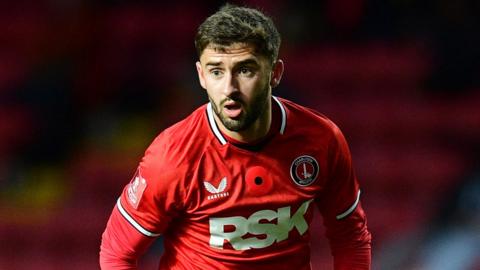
[{"x": 231, "y": 86}]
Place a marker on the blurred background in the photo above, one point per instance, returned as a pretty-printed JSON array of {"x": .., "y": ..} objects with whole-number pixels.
[{"x": 85, "y": 86}]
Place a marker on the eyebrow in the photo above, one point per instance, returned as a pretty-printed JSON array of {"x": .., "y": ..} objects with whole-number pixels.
[
  {"x": 215, "y": 64},
  {"x": 249, "y": 61}
]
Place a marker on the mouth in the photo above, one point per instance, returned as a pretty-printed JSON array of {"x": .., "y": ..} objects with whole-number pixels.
[{"x": 232, "y": 109}]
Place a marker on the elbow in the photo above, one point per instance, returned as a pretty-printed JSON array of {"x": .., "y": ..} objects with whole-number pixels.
[{"x": 110, "y": 257}]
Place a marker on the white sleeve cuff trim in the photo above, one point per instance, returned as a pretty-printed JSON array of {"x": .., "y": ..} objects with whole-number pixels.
[
  {"x": 351, "y": 209},
  {"x": 133, "y": 222}
]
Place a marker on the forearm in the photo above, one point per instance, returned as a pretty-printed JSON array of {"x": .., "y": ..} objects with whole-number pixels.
[
  {"x": 350, "y": 242},
  {"x": 355, "y": 258},
  {"x": 121, "y": 245}
]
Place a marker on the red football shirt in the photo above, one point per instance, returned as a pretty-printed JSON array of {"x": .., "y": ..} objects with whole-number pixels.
[{"x": 221, "y": 204}]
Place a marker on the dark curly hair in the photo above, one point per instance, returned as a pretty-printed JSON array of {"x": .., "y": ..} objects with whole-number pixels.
[{"x": 234, "y": 24}]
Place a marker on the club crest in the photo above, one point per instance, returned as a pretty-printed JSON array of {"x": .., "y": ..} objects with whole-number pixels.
[{"x": 304, "y": 170}]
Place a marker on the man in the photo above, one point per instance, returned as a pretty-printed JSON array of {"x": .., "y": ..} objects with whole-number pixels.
[{"x": 234, "y": 185}]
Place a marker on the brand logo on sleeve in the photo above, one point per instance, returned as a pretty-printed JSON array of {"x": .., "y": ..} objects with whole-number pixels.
[
  {"x": 263, "y": 228},
  {"x": 304, "y": 170},
  {"x": 216, "y": 192},
  {"x": 136, "y": 188}
]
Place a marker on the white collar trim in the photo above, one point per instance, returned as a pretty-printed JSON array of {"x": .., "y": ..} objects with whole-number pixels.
[{"x": 219, "y": 135}]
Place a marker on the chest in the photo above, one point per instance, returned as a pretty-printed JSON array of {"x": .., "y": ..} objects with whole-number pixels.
[
  {"x": 246, "y": 200},
  {"x": 233, "y": 181}
]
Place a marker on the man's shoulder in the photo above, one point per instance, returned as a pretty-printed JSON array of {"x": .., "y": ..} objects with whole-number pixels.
[
  {"x": 184, "y": 128},
  {"x": 175, "y": 151},
  {"x": 307, "y": 118},
  {"x": 183, "y": 137}
]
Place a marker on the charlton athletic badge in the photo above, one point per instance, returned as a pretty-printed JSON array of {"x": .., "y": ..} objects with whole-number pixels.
[{"x": 304, "y": 170}]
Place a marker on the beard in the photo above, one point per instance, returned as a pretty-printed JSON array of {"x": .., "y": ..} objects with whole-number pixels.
[{"x": 250, "y": 112}]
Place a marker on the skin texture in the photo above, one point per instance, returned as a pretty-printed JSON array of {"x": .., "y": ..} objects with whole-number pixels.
[{"x": 239, "y": 85}]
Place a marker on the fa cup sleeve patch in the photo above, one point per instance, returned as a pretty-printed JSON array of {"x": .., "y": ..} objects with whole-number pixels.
[{"x": 136, "y": 188}]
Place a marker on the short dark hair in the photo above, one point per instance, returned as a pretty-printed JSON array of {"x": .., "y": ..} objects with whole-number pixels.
[{"x": 235, "y": 24}]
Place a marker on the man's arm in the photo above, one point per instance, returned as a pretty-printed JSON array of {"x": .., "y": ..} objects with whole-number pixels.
[
  {"x": 143, "y": 211},
  {"x": 122, "y": 244},
  {"x": 344, "y": 218},
  {"x": 350, "y": 241}
]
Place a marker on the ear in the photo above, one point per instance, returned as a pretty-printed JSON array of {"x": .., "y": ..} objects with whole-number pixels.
[
  {"x": 201, "y": 76},
  {"x": 277, "y": 72}
]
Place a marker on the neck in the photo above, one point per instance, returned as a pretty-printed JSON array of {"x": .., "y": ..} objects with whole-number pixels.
[{"x": 255, "y": 131}]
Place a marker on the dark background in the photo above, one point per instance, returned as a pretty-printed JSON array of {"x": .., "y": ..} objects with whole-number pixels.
[{"x": 86, "y": 85}]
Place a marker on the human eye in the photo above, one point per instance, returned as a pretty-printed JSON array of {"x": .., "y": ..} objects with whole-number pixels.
[
  {"x": 216, "y": 73},
  {"x": 246, "y": 71}
]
